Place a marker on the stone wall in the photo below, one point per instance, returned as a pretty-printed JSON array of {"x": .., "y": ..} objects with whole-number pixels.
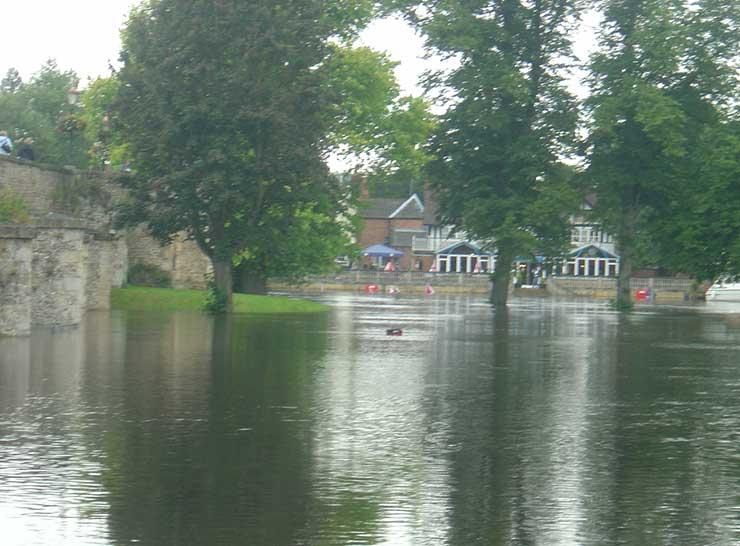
[
  {"x": 59, "y": 276},
  {"x": 15, "y": 280},
  {"x": 408, "y": 282},
  {"x": 50, "y": 191},
  {"x": 661, "y": 290},
  {"x": 53, "y": 272},
  {"x": 183, "y": 260},
  {"x": 47, "y": 189}
]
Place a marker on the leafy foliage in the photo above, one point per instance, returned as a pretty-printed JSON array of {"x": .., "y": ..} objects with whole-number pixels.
[
  {"x": 216, "y": 300},
  {"x": 224, "y": 114},
  {"x": 13, "y": 208},
  {"x": 141, "y": 274},
  {"x": 383, "y": 131},
  {"x": 698, "y": 230},
  {"x": 39, "y": 110},
  {"x": 107, "y": 149},
  {"x": 660, "y": 82},
  {"x": 305, "y": 243}
]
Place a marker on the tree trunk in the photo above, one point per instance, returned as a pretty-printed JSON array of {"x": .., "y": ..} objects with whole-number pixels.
[
  {"x": 222, "y": 273},
  {"x": 626, "y": 240},
  {"x": 252, "y": 283},
  {"x": 501, "y": 277}
]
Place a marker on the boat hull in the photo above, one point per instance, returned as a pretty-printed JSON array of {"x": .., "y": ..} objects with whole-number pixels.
[{"x": 724, "y": 292}]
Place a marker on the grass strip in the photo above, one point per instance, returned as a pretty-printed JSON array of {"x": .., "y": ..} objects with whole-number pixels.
[{"x": 139, "y": 298}]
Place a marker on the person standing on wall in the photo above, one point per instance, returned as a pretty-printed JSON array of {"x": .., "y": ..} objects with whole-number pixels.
[
  {"x": 26, "y": 149},
  {"x": 6, "y": 145}
]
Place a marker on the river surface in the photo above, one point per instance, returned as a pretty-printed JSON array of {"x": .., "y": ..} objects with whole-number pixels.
[{"x": 550, "y": 424}]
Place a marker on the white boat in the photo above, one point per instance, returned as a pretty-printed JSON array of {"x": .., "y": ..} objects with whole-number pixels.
[{"x": 724, "y": 291}]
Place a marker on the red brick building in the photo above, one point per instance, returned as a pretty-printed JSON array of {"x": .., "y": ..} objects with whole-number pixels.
[{"x": 394, "y": 223}]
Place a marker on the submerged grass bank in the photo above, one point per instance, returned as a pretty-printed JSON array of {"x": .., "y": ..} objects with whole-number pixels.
[{"x": 139, "y": 298}]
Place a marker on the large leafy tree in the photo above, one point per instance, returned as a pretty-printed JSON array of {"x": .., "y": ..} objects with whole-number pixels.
[
  {"x": 498, "y": 147},
  {"x": 698, "y": 231},
  {"x": 225, "y": 110},
  {"x": 664, "y": 84},
  {"x": 107, "y": 150},
  {"x": 368, "y": 121}
]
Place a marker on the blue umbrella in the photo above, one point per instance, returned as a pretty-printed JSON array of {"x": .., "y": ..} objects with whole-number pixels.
[{"x": 381, "y": 251}]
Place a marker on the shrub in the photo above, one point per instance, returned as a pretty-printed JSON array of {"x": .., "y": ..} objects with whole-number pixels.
[
  {"x": 77, "y": 189},
  {"x": 13, "y": 209},
  {"x": 141, "y": 274},
  {"x": 215, "y": 298}
]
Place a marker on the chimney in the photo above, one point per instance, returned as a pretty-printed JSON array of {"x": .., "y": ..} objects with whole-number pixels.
[
  {"x": 360, "y": 181},
  {"x": 427, "y": 198}
]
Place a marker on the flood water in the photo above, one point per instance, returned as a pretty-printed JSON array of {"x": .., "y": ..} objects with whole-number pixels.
[{"x": 550, "y": 424}]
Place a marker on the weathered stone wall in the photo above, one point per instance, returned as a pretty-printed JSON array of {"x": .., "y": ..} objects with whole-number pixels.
[
  {"x": 90, "y": 196},
  {"x": 182, "y": 259},
  {"x": 59, "y": 275},
  {"x": 73, "y": 271},
  {"x": 53, "y": 272},
  {"x": 191, "y": 266},
  {"x": 100, "y": 263},
  {"x": 15, "y": 280},
  {"x": 47, "y": 189}
]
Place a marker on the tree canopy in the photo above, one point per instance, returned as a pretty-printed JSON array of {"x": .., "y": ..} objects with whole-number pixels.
[
  {"x": 376, "y": 127},
  {"x": 227, "y": 112},
  {"x": 662, "y": 90},
  {"x": 497, "y": 149}
]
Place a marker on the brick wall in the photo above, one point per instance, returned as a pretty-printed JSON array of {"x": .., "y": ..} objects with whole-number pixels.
[{"x": 375, "y": 231}]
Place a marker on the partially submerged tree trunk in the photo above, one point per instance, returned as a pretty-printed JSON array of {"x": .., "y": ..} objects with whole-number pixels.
[
  {"x": 501, "y": 277},
  {"x": 222, "y": 276},
  {"x": 626, "y": 241}
]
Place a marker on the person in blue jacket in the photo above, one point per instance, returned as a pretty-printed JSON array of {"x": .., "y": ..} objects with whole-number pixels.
[{"x": 6, "y": 145}]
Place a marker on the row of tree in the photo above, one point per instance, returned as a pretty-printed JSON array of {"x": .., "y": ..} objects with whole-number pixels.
[
  {"x": 662, "y": 153},
  {"x": 228, "y": 111}
]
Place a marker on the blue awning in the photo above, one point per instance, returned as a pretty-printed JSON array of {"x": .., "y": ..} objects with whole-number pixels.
[
  {"x": 591, "y": 251},
  {"x": 381, "y": 251},
  {"x": 455, "y": 246}
]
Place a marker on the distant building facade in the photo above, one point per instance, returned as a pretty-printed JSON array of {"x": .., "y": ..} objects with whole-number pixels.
[
  {"x": 593, "y": 252},
  {"x": 411, "y": 226}
]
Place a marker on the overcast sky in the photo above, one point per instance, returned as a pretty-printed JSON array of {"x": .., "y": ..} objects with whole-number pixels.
[{"x": 84, "y": 35}]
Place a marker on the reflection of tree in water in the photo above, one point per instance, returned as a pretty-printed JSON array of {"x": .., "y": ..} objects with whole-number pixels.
[
  {"x": 522, "y": 430},
  {"x": 617, "y": 439},
  {"x": 485, "y": 495},
  {"x": 213, "y": 446},
  {"x": 674, "y": 464}
]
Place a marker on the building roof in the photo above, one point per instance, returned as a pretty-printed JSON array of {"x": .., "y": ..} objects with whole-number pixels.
[
  {"x": 410, "y": 208},
  {"x": 378, "y": 208},
  {"x": 591, "y": 251},
  {"x": 463, "y": 247}
]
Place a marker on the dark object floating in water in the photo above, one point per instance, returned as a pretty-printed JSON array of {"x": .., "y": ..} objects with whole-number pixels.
[{"x": 394, "y": 332}]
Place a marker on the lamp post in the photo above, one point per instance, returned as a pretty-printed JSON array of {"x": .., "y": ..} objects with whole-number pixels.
[{"x": 73, "y": 96}]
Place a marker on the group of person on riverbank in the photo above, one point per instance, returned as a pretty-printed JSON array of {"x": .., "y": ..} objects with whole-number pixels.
[{"x": 25, "y": 150}]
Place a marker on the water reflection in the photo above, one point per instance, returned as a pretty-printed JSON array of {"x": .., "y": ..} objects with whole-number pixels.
[{"x": 547, "y": 423}]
